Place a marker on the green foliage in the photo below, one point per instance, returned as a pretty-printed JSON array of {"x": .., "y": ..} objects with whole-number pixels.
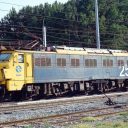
[
  {"x": 101, "y": 125},
  {"x": 72, "y": 23},
  {"x": 112, "y": 125},
  {"x": 27, "y": 126},
  {"x": 90, "y": 119},
  {"x": 81, "y": 126}
]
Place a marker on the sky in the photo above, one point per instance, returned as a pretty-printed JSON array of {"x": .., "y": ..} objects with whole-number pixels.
[{"x": 6, "y": 5}]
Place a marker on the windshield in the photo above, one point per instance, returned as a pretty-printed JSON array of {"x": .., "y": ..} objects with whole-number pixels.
[{"x": 4, "y": 56}]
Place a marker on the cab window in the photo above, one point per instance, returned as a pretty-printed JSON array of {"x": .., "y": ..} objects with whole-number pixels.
[
  {"x": 5, "y": 56},
  {"x": 20, "y": 58}
]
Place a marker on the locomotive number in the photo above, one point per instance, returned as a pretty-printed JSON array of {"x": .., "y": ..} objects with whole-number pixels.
[{"x": 124, "y": 71}]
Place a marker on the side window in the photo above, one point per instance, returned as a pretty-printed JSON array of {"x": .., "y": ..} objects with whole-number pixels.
[
  {"x": 90, "y": 63},
  {"x": 75, "y": 62},
  {"x": 43, "y": 62},
  {"x": 20, "y": 58},
  {"x": 61, "y": 62},
  {"x": 37, "y": 62},
  {"x": 107, "y": 63},
  {"x": 48, "y": 61},
  {"x": 120, "y": 63}
]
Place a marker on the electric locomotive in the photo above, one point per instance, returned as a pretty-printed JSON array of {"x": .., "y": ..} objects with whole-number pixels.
[{"x": 60, "y": 70}]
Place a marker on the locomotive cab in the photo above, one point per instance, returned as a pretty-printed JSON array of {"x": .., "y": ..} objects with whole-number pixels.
[{"x": 15, "y": 71}]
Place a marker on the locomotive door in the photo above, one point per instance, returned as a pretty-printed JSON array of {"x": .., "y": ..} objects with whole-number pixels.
[
  {"x": 19, "y": 72},
  {"x": 28, "y": 68}
]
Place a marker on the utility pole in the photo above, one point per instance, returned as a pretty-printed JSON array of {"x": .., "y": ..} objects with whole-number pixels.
[
  {"x": 44, "y": 35},
  {"x": 97, "y": 25}
]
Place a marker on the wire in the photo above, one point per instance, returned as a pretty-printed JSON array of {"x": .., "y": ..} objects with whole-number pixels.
[
  {"x": 58, "y": 29},
  {"x": 70, "y": 44},
  {"x": 54, "y": 33}
]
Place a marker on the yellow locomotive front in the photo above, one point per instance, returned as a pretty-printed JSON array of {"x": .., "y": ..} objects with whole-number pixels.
[
  {"x": 15, "y": 71},
  {"x": 5, "y": 62}
]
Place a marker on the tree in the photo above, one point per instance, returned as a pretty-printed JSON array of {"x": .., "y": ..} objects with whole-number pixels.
[{"x": 72, "y": 23}]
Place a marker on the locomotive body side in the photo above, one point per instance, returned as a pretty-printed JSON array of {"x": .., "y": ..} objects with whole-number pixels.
[
  {"x": 80, "y": 69},
  {"x": 56, "y": 67}
]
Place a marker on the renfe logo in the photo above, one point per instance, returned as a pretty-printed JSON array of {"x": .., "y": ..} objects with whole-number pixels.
[{"x": 18, "y": 68}]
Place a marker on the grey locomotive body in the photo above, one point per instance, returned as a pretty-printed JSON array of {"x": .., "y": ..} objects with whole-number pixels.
[
  {"x": 64, "y": 66},
  {"x": 82, "y": 67}
]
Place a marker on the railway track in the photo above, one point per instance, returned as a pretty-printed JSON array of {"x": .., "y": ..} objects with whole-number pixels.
[
  {"x": 70, "y": 117},
  {"x": 6, "y": 108},
  {"x": 77, "y": 117},
  {"x": 63, "y": 117}
]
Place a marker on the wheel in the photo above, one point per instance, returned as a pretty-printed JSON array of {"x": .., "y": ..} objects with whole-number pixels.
[{"x": 2, "y": 94}]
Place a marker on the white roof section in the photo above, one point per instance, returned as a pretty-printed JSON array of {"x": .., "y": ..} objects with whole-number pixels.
[
  {"x": 80, "y": 51},
  {"x": 91, "y": 50}
]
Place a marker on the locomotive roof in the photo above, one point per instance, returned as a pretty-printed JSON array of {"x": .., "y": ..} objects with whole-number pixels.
[
  {"x": 79, "y": 51},
  {"x": 92, "y": 51}
]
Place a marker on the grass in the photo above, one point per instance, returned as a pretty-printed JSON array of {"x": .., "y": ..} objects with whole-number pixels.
[
  {"x": 124, "y": 114},
  {"x": 94, "y": 122},
  {"x": 90, "y": 119},
  {"x": 81, "y": 126},
  {"x": 112, "y": 125},
  {"x": 102, "y": 125}
]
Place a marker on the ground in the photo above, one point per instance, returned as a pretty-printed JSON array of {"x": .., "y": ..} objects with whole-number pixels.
[{"x": 113, "y": 121}]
